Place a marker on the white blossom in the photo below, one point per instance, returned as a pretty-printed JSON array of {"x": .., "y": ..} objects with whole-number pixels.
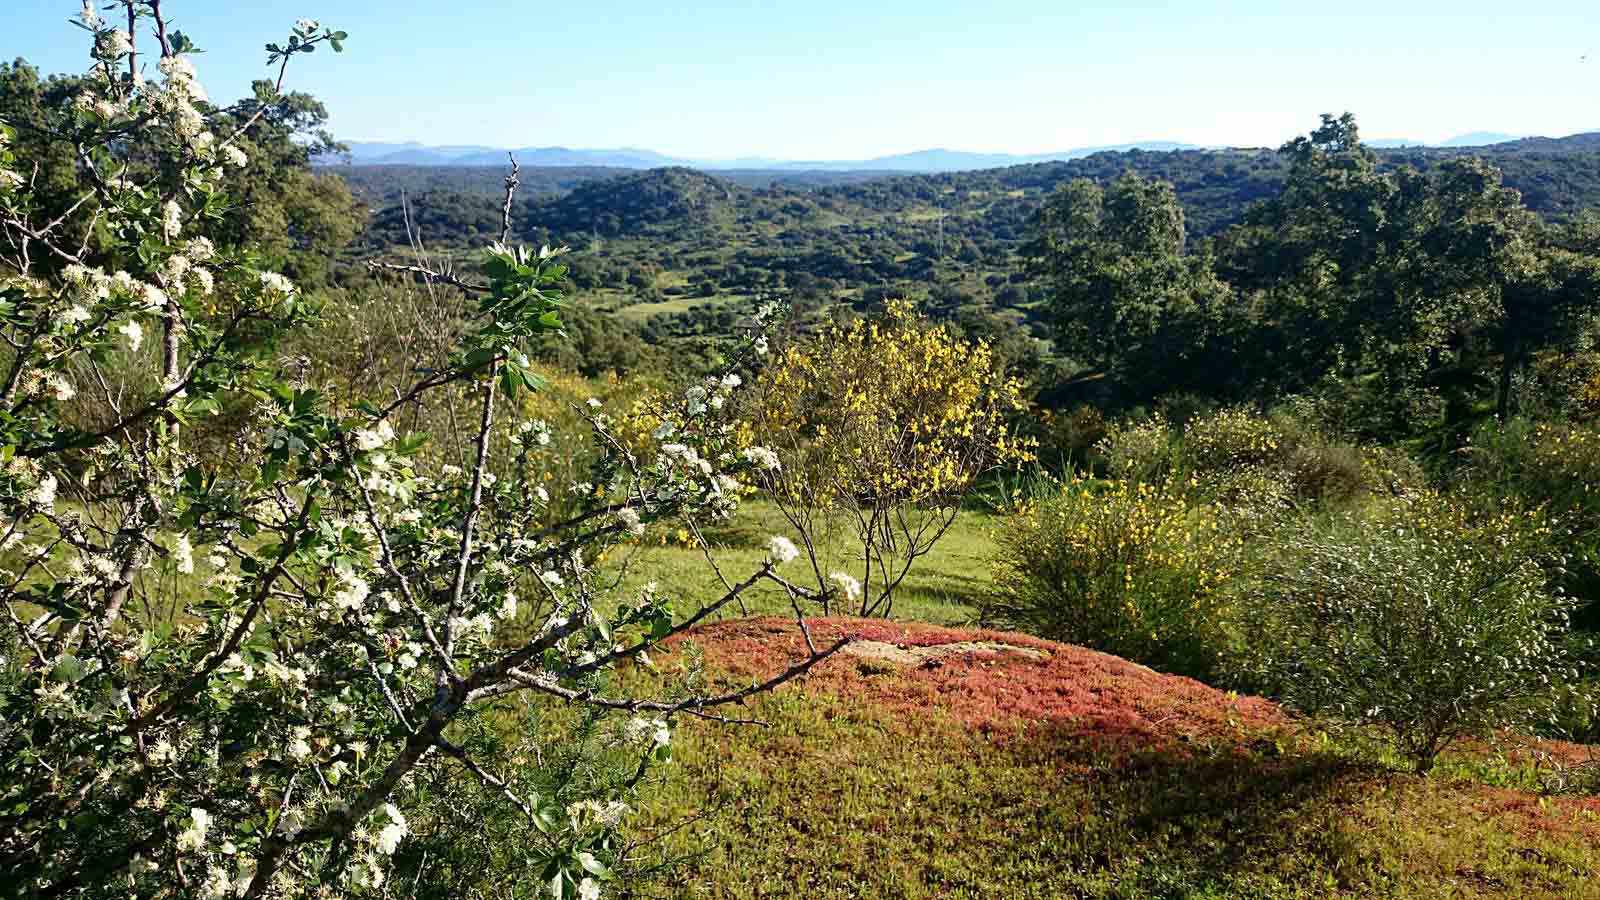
[
  {"x": 588, "y": 889},
  {"x": 352, "y": 592},
  {"x": 389, "y": 838},
  {"x": 44, "y": 495},
  {"x": 781, "y": 549},
  {"x": 173, "y": 270},
  {"x": 194, "y": 836},
  {"x": 640, "y": 729},
  {"x": 183, "y": 555},
  {"x": 762, "y": 458},
  {"x": 697, "y": 400},
  {"x": 202, "y": 281},
  {"x": 217, "y": 885},
  {"x": 299, "y": 744},
  {"x": 60, "y": 388},
  {"x": 176, "y": 67},
  {"x": 112, "y": 43},
  {"x": 154, "y": 298},
  {"x": 199, "y": 249},
  {"x": 134, "y": 332},
  {"x": 629, "y": 517},
  {"x": 375, "y": 437},
  {"x": 171, "y": 220},
  {"x": 552, "y": 578},
  {"x": 850, "y": 587},
  {"x": 277, "y": 284}
]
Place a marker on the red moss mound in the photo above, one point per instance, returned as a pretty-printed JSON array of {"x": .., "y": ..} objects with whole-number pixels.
[{"x": 1085, "y": 692}]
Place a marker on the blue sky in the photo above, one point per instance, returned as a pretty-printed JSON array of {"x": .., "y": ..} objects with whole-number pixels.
[{"x": 843, "y": 79}]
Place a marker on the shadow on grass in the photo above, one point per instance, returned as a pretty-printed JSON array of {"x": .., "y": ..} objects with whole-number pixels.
[
  {"x": 1244, "y": 822},
  {"x": 866, "y": 810}
]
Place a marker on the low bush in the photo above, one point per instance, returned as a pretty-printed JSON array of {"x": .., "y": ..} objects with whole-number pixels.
[
  {"x": 1555, "y": 465},
  {"x": 1239, "y": 457},
  {"x": 1128, "y": 568},
  {"x": 1424, "y": 617},
  {"x": 881, "y": 429}
]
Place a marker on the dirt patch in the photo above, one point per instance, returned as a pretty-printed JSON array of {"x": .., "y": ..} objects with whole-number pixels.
[{"x": 933, "y": 653}]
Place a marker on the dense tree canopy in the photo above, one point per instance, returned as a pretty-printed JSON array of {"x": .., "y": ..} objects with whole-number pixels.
[{"x": 1438, "y": 284}]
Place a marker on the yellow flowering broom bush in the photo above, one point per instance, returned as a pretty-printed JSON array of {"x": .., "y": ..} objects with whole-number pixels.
[
  {"x": 1135, "y": 569},
  {"x": 882, "y": 426}
]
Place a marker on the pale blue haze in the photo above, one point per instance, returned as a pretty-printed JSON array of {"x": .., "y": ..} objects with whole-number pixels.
[{"x": 832, "y": 79}]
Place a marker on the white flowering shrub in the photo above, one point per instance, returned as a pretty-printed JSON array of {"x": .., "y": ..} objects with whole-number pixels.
[
  {"x": 1426, "y": 618},
  {"x": 314, "y": 664}
]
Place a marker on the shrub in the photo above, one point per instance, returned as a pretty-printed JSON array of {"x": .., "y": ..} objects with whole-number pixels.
[
  {"x": 1556, "y": 465},
  {"x": 882, "y": 428},
  {"x": 1425, "y": 617},
  {"x": 1243, "y": 459},
  {"x": 1232, "y": 438},
  {"x": 1066, "y": 438},
  {"x": 1142, "y": 451},
  {"x": 1133, "y": 569}
]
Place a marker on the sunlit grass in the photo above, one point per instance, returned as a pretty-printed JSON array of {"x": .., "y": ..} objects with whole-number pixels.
[
  {"x": 849, "y": 792},
  {"x": 943, "y": 587}
]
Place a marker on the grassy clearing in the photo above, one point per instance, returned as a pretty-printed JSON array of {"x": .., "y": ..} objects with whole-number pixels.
[
  {"x": 1080, "y": 776},
  {"x": 943, "y": 588}
]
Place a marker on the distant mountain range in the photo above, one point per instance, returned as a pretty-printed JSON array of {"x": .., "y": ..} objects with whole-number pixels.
[
  {"x": 365, "y": 153},
  {"x": 1474, "y": 139}
]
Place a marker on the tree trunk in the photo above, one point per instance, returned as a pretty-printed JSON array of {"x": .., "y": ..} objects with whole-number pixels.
[{"x": 1508, "y": 364}]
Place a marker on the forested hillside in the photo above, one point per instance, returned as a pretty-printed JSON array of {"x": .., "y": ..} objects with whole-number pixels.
[{"x": 673, "y": 246}]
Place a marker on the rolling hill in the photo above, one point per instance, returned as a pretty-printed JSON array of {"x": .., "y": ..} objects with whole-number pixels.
[{"x": 952, "y": 762}]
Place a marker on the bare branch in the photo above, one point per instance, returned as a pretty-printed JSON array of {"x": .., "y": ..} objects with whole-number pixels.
[
  {"x": 690, "y": 705},
  {"x": 511, "y": 190}
]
